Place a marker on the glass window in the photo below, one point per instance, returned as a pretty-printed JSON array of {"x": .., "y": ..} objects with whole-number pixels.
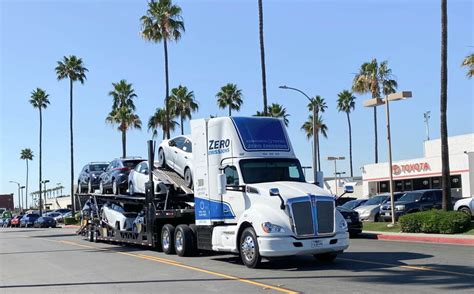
[
  {"x": 179, "y": 142},
  {"x": 436, "y": 183},
  {"x": 187, "y": 146},
  {"x": 377, "y": 200},
  {"x": 271, "y": 170},
  {"x": 132, "y": 163},
  {"x": 411, "y": 196},
  {"x": 98, "y": 167},
  {"x": 144, "y": 168},
  {"x": 456, "y": 181},
  {"x": 383, "y": 187},
  {"x": 398, "y": 186},
  {"x": 232, "y": 176},
  {"x": 421, "y": 184},
  {"x": 407, "y": 185},
  {"x": 427, "y": 197}
]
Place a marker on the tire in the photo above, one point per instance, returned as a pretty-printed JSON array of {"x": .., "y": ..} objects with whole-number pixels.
[
  {"x": 161, "y": 158},
  {"x": 131, "y": 190},
  {"x": 79, "y": 189},
  {"x": 89, "y": 187},
  {"x": 248, "y": 247},
  {"x": 325, "y": 257},
  {"x": 466, "y": 210},
  {"x": 167, "y": 239},
  {"x": 115, "y": 188},
  {"x": 184, "y": 241},
  {"x": 90, "y": 234},
  {"x": 377, "y": 218},
  {"x": 188, "y": 177},
  {"x": 101, "y": 188}
]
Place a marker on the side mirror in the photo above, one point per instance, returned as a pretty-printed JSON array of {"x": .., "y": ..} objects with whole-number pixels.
[
  {"x": 221, "y": 184},
  {"x": 275, "y": 192},
  {"x": 348, "y": 189}
]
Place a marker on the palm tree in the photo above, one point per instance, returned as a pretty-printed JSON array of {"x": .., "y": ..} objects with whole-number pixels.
[
  {"x": 26, "y": 155},
  {"x": 320, "y": 106},
  {"x": 469, "y": 63},
  {"x": 39, "y": 99},
  {"x": 182, "y": 104},
  {"x": 321, "y": 128},
  {"x": 72, "y": 68},
  {"x": 276, "y": 110},
  {"x": 163, "y": 22},
  {"x": 374, "y": 78},
  {"x": 262, "y": 56},
  {"x": 158, "y": 120},
  {"x": 346, "y": 103},
  {"x": 123, "y": 95},
  {"x": 230, "y": 96},
  {"x": 126, "y": 119},
  {"x": 445, "y": 178}
]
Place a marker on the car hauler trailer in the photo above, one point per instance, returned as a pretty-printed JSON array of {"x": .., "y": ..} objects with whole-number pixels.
[{"x": 249, "y": 198}]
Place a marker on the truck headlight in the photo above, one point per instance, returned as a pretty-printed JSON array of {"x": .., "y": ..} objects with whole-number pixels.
[
  {"x": 399, "y": 207},
  {"x": 268, "y": 227},
  {"x": 342, "y": 224}
]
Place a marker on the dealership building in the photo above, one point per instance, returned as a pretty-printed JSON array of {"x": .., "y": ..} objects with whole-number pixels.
[{"x": 425, "y": 172}]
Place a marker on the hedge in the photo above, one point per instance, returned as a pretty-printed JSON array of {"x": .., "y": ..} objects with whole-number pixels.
[
  {"x": 435, "y": 222},
  {"x": 70, "y": 221}
]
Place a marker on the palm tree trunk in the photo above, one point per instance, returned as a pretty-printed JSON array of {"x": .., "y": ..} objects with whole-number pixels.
[
  {"x": 26, "y": 196},
  {"x": 318, "y": 152},
  {"x": 167, "y": 126},
  {"x": 124, "y": 143},
  {"x": 350, "y": 143},
  {"x": 376, "y": 136},
  {"x": 40, "y": 161},
  {"x": 182, "y": 126},
  {"x": 230, "y": 111},
  {"x": 445, "y": 179},
  {"x": 73, "y": 206},
  {"x": 262, "y": 56}
]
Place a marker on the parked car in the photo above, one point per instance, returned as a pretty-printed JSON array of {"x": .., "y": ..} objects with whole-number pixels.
[
  {"x": 413, "y": 201},
  {"x": 353, "y": 204},
  {"x": 177, "y": 155},
  {"x": 465, "y": 205},
  {"x": 89, "y": 178},
  {"x": 115, "y": 216},
  {"x": 62, "y": 210},
  {"x": 28, "y": 220},
  {"x": 370, "y": 211},
  {"x": 45, "y": 222},
  {"x": 139, "y": 176},
  {"x": 15, "y": 222},
  {"x": 354, "y": 225},
  {"x": 115, "y": 178}
]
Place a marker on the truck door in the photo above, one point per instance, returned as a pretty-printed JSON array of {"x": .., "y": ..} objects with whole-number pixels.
[{"x": 234, "y": 199}]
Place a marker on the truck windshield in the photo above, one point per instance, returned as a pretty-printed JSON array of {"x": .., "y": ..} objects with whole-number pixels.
[{"x": 271, "y": 170}]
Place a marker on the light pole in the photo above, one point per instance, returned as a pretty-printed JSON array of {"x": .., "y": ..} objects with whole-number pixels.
[
  {"x": 44, "y": 182},
  {"x": 335, "y": 159},
  {"x": 22, "y": 198},
  {"x": 427, "y": 116},
  {"x": 377, "y": 102},
  {"x": 315, "y": 133},
  {"x": 19, "y": 203}
]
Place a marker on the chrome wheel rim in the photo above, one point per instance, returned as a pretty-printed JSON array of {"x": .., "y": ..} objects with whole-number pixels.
[
  {"x": 114, "y": 187},
  {"x": 166, "y": 240},
  {"x": 179, "y": 241},
  {"x": 130, "y": 189},
  {"x": 248, "y": 248}
]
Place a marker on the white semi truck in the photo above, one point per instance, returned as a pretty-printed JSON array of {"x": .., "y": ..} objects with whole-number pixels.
[{"x": 250, "y": 197}]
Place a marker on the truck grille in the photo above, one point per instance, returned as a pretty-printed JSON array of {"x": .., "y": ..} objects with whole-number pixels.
[{"x": 313, "y": 218}]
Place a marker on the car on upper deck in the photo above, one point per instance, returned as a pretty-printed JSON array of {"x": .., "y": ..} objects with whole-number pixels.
[{"x": 177, "y": 155}]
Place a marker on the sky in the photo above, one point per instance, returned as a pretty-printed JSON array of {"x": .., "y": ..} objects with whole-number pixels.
[{"x": 315, "y": 46}]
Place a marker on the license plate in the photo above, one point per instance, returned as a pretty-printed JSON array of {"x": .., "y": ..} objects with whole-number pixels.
[
  {"x": 316, "y": 243},
  {"x": 387, "y": 213}
]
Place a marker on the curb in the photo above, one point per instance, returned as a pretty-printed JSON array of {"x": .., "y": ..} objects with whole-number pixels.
[{"x": 426, "y": 239}]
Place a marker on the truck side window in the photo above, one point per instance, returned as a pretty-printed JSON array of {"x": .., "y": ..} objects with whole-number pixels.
[{"x": 232, "y": 177}]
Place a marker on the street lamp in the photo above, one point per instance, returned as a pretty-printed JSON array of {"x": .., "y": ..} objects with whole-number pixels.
[
  {"x": 335, "y": 159},
  {"x": 315, "y": 135},
  {"x": 374, "y": 102},
  {"x": 22, "y": 198},
  {"x": 19, "y": 203}
]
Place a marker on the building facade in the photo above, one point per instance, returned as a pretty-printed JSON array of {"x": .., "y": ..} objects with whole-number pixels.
[{"x": 425, "y": 172}]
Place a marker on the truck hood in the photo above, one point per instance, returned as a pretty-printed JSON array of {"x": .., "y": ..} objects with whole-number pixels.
[{"x": 289, "y": 190}]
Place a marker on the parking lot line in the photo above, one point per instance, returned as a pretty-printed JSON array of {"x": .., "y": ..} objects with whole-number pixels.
[
  {"x": 193, "y": 268},
  {"x": 419, "y": 268}
]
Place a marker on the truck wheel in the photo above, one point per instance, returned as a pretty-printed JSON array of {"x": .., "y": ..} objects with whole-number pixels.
[
  {"x": 249, "y": 251},
  {"x": 184, "y": 241},
  {"x": 161, "y": 158},
  {"x": 167, "y": 239},
  {"x": 325, "y": 257}
]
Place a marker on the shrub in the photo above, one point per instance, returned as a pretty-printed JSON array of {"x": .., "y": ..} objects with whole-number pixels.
[
  {"x": 435, "y": 221},
  {"x": 70, "y": 221}
]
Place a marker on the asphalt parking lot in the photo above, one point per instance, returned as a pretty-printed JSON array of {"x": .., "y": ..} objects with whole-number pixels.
[{"x": 57, "y": 261}]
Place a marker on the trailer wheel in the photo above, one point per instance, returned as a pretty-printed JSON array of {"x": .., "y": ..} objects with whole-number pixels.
[
  {"x": 249, "y": 251},
  {"x": 183, "y": 241},
  {"x": 90, "y": 233},
  {"x": 167, "y": 239}
]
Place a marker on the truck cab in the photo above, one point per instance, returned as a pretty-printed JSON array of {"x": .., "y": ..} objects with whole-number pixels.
[{"x": 251, "y": 196}]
